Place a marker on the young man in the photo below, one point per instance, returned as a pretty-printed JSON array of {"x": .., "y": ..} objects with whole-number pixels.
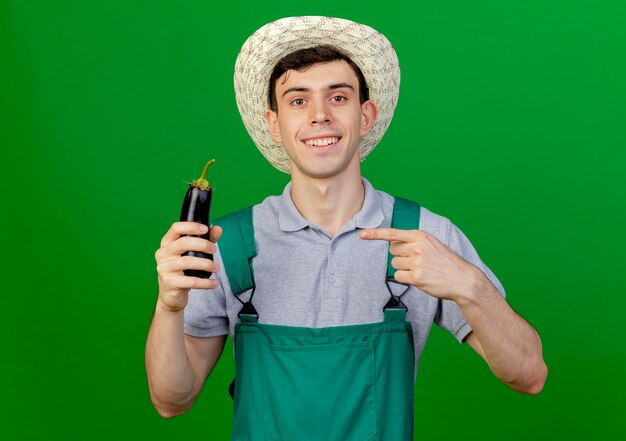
[{"x": 329, "y": 348}]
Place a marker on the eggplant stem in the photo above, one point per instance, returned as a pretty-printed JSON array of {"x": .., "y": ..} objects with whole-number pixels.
[
  {"x": 201, "y": 182},
  {"x": 206, "y": 167}
]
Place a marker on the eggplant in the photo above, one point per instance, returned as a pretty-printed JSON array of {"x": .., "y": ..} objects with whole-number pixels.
[{"x": 197, "y": 208}]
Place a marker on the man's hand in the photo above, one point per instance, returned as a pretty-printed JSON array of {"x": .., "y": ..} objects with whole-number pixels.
[
  {"x": 423, "y": 261},
  {"x": 173, "y": 284},
  {"x": 510, "y": 346},
  {"x": 177, "y": 365}
]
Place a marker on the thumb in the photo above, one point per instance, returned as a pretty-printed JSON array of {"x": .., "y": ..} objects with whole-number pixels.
[{"x": 215, "y": 233}]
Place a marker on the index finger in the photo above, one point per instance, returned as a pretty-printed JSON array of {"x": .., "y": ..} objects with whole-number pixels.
[
  {"x": 388, "y": 234},
  {"x": 179, "y": 228}
]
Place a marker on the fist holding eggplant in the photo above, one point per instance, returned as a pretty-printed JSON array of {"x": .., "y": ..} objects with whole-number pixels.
[{"x": 185, "y": 258}]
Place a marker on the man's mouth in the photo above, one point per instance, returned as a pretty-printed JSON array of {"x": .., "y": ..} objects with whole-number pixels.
[{"x": 321, "y": 142}]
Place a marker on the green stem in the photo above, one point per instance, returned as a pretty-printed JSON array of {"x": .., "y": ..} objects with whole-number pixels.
[
  {"x": 201, "y": 182},
  {"x": 206, "y": 167}
]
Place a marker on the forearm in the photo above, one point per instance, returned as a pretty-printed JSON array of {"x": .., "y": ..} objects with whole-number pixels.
[
  {"x": 170, "y": 375},
  {"x": 511, "y": 346}
]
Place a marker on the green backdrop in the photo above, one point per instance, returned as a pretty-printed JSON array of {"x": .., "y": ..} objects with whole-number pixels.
[{"x": 511, "y": 122}]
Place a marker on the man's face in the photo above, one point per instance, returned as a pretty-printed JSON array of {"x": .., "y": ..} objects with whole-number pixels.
[{"x": 320, "y": 119}]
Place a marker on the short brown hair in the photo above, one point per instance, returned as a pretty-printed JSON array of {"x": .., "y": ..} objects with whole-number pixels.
[{"x": 301, "y": 59}]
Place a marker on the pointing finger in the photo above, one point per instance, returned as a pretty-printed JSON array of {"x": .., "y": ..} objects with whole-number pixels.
[{"x": 388, "y": 234}]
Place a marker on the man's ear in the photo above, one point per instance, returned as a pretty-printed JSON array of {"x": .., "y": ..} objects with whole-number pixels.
[
  {"x": 369, "y": 113},
  {"x": 271, "y": 118}
]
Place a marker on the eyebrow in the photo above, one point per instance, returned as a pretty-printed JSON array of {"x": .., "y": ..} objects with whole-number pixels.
[{"x": 331, "y": 87}]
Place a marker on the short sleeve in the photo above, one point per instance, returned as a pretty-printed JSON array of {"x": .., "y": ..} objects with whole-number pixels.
[
  {"x": 449, "y": 315},
  {"x": 205, "y": 314}
]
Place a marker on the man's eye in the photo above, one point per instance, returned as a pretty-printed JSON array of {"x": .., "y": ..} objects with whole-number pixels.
[
  {"x": 298, "y": 101},
  {"x": 339, "y": 98}
]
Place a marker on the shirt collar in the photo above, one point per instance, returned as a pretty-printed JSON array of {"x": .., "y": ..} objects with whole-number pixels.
[
  {"x": 289, "y": 218},
  {"x": 370, "y": 216}
]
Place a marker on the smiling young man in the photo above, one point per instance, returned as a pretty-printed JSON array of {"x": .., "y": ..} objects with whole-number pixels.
[
  {"x": 319, "y": 118},
  {"x": 329, "y": 290}
]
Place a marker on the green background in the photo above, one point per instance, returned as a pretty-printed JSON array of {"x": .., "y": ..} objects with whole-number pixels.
[{"x": 511, "y": 122}]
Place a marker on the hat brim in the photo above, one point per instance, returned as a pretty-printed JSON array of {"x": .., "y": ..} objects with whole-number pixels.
[{"x": 366, "y": 47}]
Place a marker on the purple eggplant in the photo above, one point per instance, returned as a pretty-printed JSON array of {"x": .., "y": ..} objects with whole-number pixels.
[{"x": 197, "y": 208}]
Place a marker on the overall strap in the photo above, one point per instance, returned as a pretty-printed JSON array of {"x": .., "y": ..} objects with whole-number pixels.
[
  {"x": 406, "y": 216},
  {"x": 237, "y": 249}
]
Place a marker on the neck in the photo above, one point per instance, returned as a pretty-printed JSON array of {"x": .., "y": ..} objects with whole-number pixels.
[{"x": 329, "y": 203}]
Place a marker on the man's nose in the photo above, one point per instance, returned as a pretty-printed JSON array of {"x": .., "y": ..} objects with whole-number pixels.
[{"x": 320, "y": 113}]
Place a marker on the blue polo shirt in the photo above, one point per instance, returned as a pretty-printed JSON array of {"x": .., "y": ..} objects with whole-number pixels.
[{"x": 306, "y": 278}]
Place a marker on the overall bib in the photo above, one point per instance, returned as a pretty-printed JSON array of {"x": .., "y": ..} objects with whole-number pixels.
[{"x": 343, "y": 383}]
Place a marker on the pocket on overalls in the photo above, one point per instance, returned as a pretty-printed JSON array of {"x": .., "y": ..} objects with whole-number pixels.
[{"x": 320, "y": 392}]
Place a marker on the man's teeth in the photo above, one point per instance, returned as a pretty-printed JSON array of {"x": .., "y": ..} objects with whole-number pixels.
[{"x": 321, "y": 141}]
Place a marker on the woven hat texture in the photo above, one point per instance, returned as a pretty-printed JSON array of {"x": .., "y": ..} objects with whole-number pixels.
[{"x": 366, "y": 47}]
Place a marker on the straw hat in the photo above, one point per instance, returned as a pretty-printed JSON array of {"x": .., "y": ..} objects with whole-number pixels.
[{"x": 366, "y": 47}]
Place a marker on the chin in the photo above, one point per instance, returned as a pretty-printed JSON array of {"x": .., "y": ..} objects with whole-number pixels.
[
  {"x": 321, "y": 172},
  {"x": 326, "y": 168}
]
